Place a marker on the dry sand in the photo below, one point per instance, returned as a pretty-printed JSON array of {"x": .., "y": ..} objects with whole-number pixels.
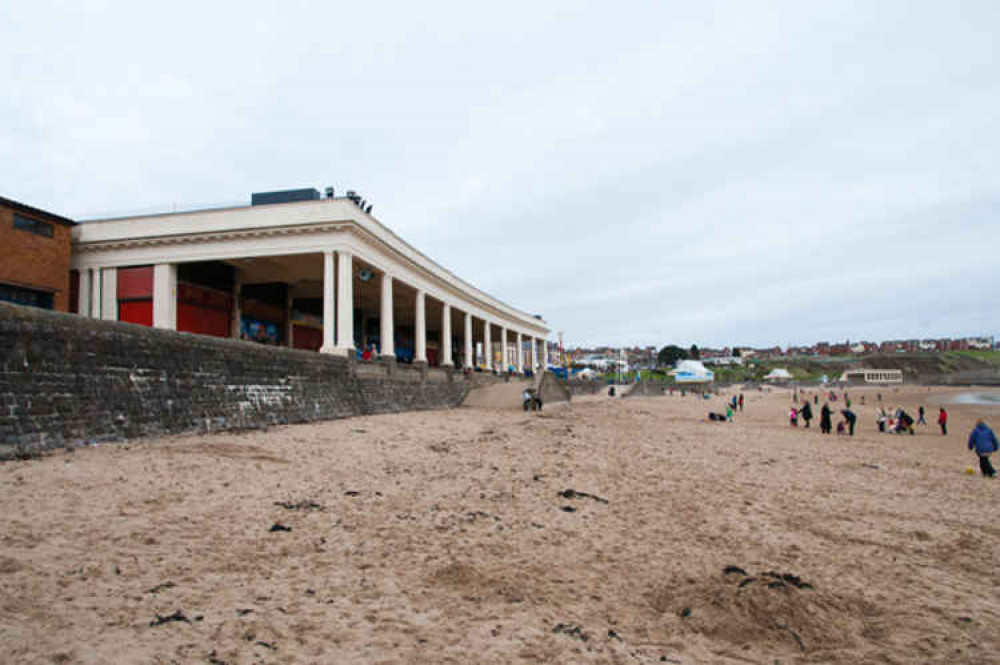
[{"x": 442, "y": 537}]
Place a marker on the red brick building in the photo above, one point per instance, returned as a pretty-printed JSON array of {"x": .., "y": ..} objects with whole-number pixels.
[{"x": 34, "y": 267}]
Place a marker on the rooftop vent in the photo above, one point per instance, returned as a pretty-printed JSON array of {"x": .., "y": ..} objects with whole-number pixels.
[{"x": 284, "y": 196}]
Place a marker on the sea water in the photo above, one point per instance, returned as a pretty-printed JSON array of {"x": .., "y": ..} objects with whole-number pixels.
[{"x": 982, "y": 399}]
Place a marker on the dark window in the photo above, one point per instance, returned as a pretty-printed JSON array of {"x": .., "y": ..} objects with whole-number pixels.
[
  {"x": 33, "y": 226},
  {"x": 22, "y": 296}
]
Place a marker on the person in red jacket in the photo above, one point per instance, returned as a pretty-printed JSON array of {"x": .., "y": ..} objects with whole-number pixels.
[{"x": 943, "y": 421}]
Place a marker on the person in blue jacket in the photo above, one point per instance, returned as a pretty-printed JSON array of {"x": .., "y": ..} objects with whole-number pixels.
[{"x": 984, "y": 442}]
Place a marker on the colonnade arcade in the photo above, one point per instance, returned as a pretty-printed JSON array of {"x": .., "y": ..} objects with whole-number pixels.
[{"x": 331, "y": 301}]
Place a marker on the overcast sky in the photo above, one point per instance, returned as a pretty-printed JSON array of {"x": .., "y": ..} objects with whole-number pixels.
[{"x": 751, "y": 173}]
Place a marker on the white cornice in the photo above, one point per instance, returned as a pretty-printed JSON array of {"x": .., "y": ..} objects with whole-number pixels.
[{"x": 84, "y": 247}]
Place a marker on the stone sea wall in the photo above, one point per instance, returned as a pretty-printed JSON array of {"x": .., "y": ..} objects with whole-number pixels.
[
  {"x": 581, "y": 387},
  {"x": 66, "y": 379}
]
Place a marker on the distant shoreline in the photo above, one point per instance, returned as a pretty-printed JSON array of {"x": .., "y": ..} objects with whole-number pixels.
[{"x": 977, "y": 398}]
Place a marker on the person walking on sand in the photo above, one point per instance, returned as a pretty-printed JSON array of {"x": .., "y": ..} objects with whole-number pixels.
[
  {"x": 851, "y": 420},
  {"x": 880, "y": 418},
  {"x": 943, "y": 421},
  {"x": 920, "y": 416},
  {"x": 741, "y": 402},
  {"x": 806, "y": 412},
  {"x": 983, "y": 441},
  {"x": 729, "y": 413},
  {"x": 793, "y": 417},
  {"x": 825, "y": 424}
]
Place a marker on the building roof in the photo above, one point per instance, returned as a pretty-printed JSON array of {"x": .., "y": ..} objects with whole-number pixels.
[{"x": 36, "y": 212}]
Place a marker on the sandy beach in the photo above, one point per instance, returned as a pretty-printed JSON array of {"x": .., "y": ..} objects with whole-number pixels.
[{"x": 605, "y": 531}]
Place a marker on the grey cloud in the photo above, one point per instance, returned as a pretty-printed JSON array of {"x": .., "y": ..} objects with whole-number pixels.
[{"x": 716, "y": 173}]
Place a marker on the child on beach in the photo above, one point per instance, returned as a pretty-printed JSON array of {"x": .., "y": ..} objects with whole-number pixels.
[
  {"x": 943, "y": 421},
  {"x": 793, "y": 417}
]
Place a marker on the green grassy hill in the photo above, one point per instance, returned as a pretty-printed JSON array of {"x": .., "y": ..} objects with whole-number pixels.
[{"x": 950, "y": 367}]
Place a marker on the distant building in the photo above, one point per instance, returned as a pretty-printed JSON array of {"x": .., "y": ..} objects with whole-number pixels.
[
  {"x": 980, "y": 343},
  {"x": 872, "y": 376},
  {"x": 722, "y": 360}
]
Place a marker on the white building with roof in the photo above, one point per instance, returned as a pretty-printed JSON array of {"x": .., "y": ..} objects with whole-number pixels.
[{"x": 300, "y": 270}]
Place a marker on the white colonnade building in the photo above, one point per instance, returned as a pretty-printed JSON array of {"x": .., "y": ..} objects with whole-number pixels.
[{"x": 303, "y": 271}]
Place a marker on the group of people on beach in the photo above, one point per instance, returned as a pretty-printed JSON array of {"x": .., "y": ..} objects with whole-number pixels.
[
  {"x": 805, "y": 412},
  {"x": 894, "y": 420},
  {"x": 733, "y": 405},
  {"x": 982, "y": 440}
]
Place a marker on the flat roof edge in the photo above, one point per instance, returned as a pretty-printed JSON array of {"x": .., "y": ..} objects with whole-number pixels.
[{"x": 24, "y": 207}]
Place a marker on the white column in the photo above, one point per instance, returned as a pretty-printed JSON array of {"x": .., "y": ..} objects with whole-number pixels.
[
  {"x": 545, "y": 354},
  {"x": 504, "y": 361},
  {"x": 289, "y": 325},
  {"x": 237, "y": 313},
  {"x": 420, "y": 343},
  {"x": 446, "y": 360},
  {"x": 388, "y": 326},
  {"x": 345, "y": 304},
  {"x": 83, "y": 295},
  {"x": 109, "y": 294},
  {"x": 487, "y": 347},
  {"x": 532, "y": 358},
  {"x": 95, "y": 293},
  {"x": 520, "y": 354},
  {"x": 468, "y": 341},
  {"x": 165, "y": 296},
  {"x": 329, "y": 324}
]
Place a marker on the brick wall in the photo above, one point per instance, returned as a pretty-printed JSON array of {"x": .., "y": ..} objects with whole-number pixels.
[
  {"x": 65, "y": 379},
  {"x": 35, "y": 261}
]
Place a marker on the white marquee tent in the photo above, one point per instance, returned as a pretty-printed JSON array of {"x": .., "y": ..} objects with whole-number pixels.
[{"x": 691, "y": 371}]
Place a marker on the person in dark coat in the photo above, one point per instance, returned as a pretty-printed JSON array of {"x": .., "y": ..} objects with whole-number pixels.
[
  {"x": 825, "y": 424},
  {"x": 851, "y": 419},
  {"x": 806, "y": 412},
  {"x": 905, "y": 423},
  {"x": 983, "y": 441}
]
